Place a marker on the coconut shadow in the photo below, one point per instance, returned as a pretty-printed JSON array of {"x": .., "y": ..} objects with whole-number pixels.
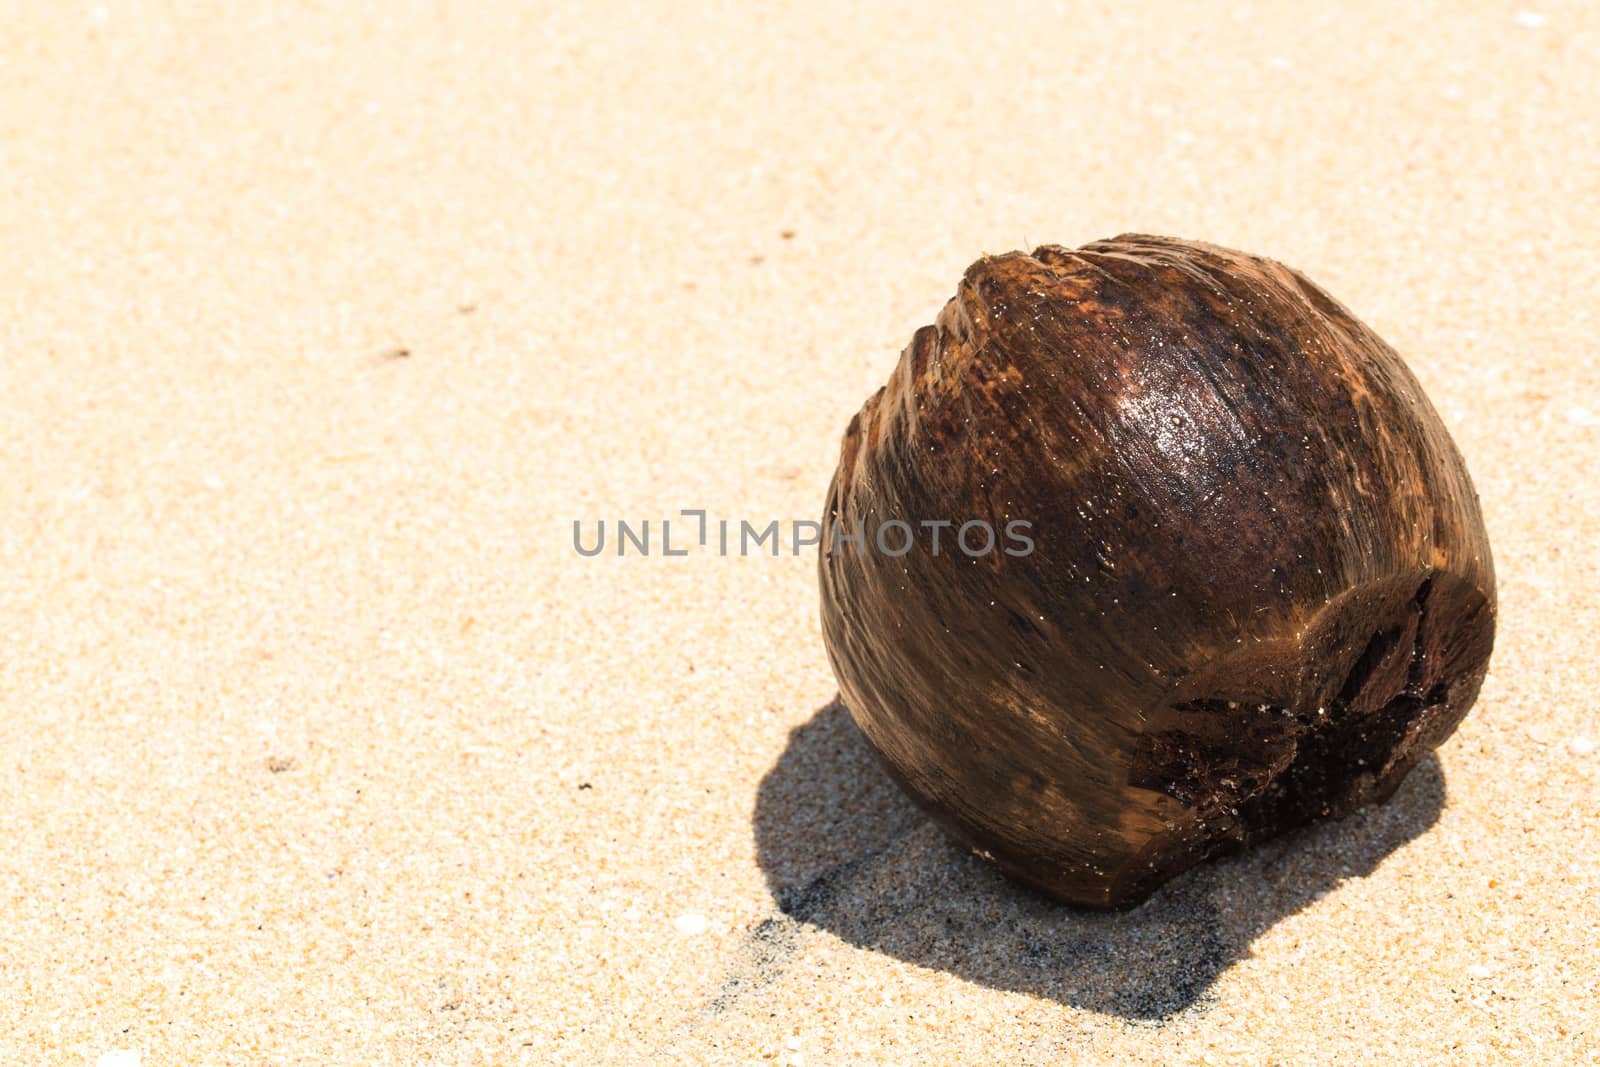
[{"x": 844, "y": 850}]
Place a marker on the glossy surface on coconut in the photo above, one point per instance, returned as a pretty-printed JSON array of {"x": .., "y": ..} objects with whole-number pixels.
[{"x": 1260, "y": 589}]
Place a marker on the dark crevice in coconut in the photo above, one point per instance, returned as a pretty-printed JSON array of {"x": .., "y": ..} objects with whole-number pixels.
[{"x": 1269, "y": 768}]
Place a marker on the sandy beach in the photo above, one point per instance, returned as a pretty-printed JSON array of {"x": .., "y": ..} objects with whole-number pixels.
[{"x": 320, "y": 743}]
